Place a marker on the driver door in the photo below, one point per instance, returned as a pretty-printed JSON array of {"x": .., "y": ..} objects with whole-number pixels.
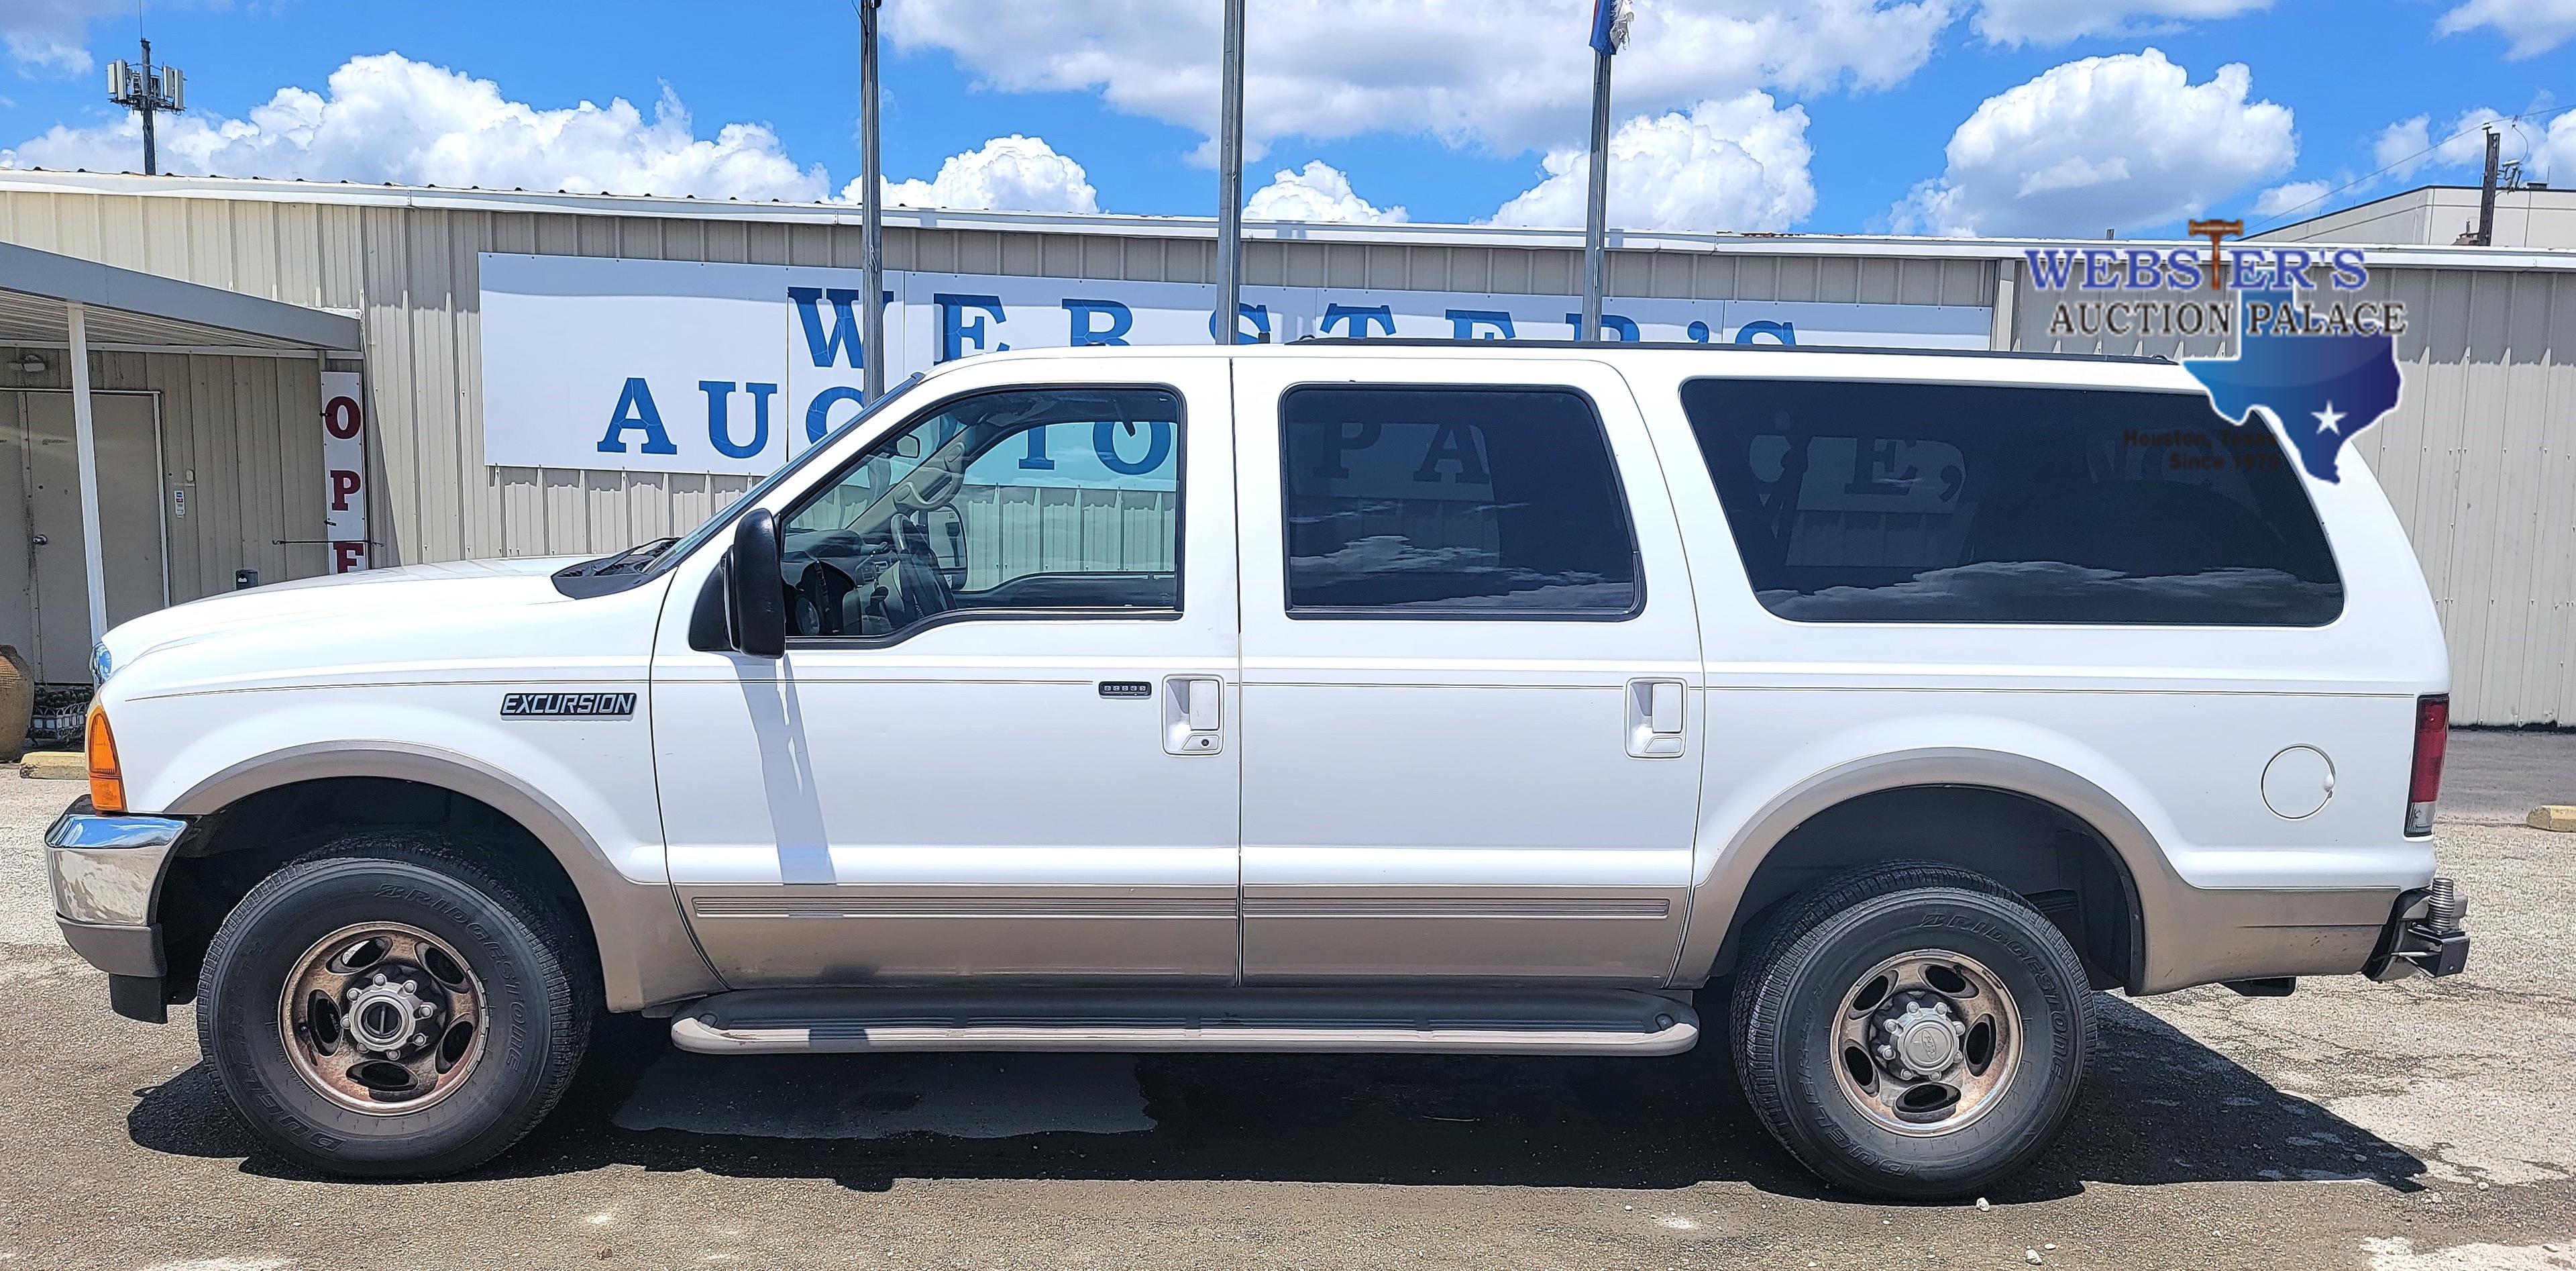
[{"x": 997, "y": 745}]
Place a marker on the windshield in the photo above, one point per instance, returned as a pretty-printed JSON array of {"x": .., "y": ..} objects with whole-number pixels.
[{"x": 761, "y": 488}]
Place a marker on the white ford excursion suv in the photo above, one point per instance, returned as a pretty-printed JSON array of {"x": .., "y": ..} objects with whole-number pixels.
[{"x": 1331, "y": 697}]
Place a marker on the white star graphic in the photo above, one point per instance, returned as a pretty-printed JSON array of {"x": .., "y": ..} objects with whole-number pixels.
[{"x": 2329, "y": 418}]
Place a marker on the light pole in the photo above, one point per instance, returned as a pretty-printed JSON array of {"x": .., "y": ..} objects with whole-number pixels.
[
  {"x": 150, "y": 91},
  {"x": 871, "y": 213},
  {"x": 1229, "y": 183}
]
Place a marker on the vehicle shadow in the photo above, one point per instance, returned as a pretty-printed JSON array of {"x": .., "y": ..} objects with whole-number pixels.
[{"x": 2159, "y": 1108}]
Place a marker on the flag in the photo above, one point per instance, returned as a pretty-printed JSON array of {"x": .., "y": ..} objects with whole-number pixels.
[{"x": 1610, "y": 19}]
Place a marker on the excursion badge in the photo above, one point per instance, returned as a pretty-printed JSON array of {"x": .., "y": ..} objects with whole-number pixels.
[{"x": 567, "y": 705}]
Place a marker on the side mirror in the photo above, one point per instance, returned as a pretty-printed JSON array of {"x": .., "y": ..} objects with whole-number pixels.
[{"x": 755, "y": 589}]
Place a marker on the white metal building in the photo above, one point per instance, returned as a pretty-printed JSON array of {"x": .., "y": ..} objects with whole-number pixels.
[
  {"x": 2434, "y": 215},
  {"x": 527, "y": 444}
]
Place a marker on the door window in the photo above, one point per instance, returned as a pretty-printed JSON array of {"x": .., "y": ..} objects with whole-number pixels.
[
  {"x": 1453, "y": 502},
  {"x": 1031, "y": 503}
]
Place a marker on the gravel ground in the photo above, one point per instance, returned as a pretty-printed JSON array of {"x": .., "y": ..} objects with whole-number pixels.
[{"x": 2416, "y": 1127}]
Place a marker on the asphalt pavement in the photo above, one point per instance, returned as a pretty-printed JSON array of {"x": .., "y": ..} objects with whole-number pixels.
[{"x": 2423, "y": 1126}]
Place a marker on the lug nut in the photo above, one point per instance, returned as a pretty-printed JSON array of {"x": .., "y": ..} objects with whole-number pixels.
[
  {"x": 1886, "y": 1052},
  {"x": 380, "y": 977},
  {"x": 420, "y": 1039},
  {"x": 411, "y": 986},
  {"x": 426, "y": 1010},
  {"x": 353, "y": 994}
]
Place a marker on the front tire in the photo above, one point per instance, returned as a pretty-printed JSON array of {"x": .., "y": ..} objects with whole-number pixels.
[
  {"x": 392, "y": 1006},
  {"x": 1912, "y": 1031}
]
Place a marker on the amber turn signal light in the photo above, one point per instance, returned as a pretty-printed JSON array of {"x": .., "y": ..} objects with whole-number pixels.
[{"x": 106, "y": 783}]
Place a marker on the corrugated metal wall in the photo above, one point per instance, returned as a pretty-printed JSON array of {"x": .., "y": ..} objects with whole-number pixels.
[
  {"x": 2479, "y": 459},
  {"x": 239, "y": 435}
]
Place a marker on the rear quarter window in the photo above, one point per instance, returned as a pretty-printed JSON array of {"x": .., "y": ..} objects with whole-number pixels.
[{"x": 1957, "y": 503}]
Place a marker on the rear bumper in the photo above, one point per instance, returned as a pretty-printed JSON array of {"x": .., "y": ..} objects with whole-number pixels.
[
  {"x": 2208, "y": 935},
  {"x": 2215, "y": 935}
]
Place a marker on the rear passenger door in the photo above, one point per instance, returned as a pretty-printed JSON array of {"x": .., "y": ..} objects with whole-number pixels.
[{"x": 1470, "y": 674}]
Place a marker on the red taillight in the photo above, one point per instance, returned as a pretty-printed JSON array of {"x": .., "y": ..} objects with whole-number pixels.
[{"x": 2432, "y": 737}]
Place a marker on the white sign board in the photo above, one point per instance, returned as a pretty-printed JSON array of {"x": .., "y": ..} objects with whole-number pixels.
[
  {"x": 683, "y": 366},
  {"x": 344, "y": 470}
]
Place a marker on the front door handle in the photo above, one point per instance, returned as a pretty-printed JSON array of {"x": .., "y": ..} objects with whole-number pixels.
[
  {"x": 1657, "y": 718},
  {"x": 1193, "y": 714}
]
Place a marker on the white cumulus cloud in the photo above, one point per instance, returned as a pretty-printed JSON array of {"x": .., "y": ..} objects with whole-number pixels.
[
  {"x": 2404, "y": 146},
  {"x": 2533, "y": 26},
  {"x": 2058, "y": 21},
  {"x": 2293, "y": 196},
  {"x": 1507, "y": 75},
  {"x": 1737, "y": 164},
  {"x": 1317, "y": 192},
  {"x": 50, "y": 37},
  {"x": 2125, "y": 142},
  {"x": 2411, "y": 145},
  {"x": 387, "y": 118},
  {"x": 1013, "y": 174}
]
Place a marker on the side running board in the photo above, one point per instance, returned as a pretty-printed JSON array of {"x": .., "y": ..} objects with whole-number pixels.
[{"x": 1321, "y": 1021}]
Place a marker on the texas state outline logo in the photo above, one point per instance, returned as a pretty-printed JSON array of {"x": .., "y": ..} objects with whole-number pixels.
[{"x": 2320, "y": 379}]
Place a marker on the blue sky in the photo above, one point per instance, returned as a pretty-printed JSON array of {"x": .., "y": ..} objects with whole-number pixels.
[{"x": 1823, "y": 115}]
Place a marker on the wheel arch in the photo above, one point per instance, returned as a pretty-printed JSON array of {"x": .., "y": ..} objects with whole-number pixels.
[
  {"x": 1720, "y": 911},
  {"x": 646, "y": 954}
]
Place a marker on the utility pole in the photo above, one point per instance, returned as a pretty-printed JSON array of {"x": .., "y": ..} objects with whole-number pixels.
[
  {"x": 149, "y": 91},
  {"x": 872, "y": 350},
  {"x": 1229, "y": 183},
  {"x": 1610, "y": 19},
  {"x": 2487, "y": 191}
]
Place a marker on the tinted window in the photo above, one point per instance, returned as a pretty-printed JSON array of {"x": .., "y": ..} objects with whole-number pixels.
[
  {"x": 1943, "y": 503},
  {"x": 1030, "y": 500},
  {"x": 1491, "y": 502}
]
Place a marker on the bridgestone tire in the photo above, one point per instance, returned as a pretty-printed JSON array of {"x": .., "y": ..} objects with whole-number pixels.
[
  {"x": 1804, "y": 961},
  {"x": 540, "y": 996}
]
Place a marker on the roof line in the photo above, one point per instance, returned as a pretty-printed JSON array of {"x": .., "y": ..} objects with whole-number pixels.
[
  {"x": 258, "y": 189},
  {"x": 27, "y": 271}
]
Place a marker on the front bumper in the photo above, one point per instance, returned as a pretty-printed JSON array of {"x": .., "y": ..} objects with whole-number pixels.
[{"x": 106, "y": 873}]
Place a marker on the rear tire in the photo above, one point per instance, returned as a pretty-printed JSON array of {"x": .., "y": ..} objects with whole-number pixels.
[
  {"x": 1911, "y": 1031},
  {"x": 494, "y": 971}
]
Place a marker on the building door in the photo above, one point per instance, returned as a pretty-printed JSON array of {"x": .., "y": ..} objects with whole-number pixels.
[
  {"x": 1470, "y": 665},
  {"x": 41, "y": 485},
  {"x": 996, "y": 747}
]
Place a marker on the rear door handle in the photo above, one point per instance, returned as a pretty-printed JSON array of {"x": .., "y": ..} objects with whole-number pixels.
[
  {"x": 1658, "y": 718},
  {"x": 1193, "y": 714}
]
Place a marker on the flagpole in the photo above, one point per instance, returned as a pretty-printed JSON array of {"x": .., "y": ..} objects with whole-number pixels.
[
  {"x": 1229, "y": 184},
  {"x": 1596, "y": 214},
  {"x": 872, "y": 350}
]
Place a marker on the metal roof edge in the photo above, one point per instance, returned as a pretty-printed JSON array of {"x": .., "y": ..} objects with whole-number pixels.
[
  {"x": 260, "y": 189},
  {"x": 28, "y": 271}
]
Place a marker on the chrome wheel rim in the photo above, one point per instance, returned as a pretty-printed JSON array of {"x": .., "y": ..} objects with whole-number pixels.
[
  {"x": 382, "y": 1018},
  {"x": 1926, "y": 1043}
]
